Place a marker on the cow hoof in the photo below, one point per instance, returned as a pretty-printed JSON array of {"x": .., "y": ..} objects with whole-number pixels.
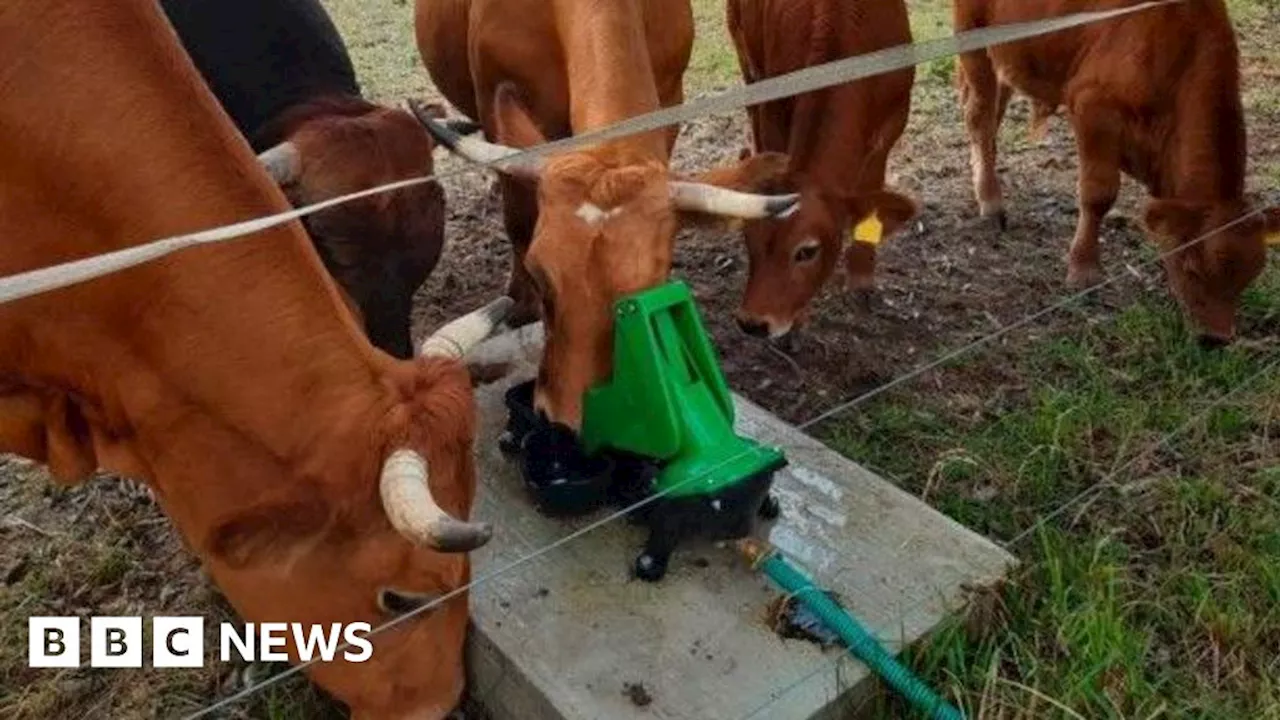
[
  {"x": 787, "y": 342},
  {"x": 997, "y": 219},
  {"x": 650, "y": 568},
  {"x": 993, "y": 214},
  {"x": 1083, "y": 276},
  {"x": 1212, "y": 342}
]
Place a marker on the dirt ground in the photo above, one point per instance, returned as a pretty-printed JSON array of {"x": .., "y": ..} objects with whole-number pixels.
[
  {"x": 949, "y": 280},
  {"x": 103, "y": 548}
]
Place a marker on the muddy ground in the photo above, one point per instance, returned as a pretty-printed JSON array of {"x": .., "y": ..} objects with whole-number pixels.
[{"x": 947, "y": 281}]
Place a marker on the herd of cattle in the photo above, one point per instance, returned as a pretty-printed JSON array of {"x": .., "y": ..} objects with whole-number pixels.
[{"x": 321, "y": 470}]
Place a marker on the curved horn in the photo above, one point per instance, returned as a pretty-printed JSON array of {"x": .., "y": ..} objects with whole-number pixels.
[
  {"x": 414, "y": 513},
  {"x": 283, "y": 162},
  {"x": 456, "y": 339},
  {"x": 474, "y": 149},
  {"x": 713, "y": 200}
]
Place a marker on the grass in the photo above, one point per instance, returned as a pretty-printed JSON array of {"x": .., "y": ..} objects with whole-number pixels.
[
  {"x": 714, "y": 65},
  {"x": 1162, "y": 591}
]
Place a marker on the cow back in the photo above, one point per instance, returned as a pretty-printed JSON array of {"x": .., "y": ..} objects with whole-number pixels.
[{"x": 261, "y": 57}]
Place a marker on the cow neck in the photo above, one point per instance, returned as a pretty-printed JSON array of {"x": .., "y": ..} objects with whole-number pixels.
[
  {"x": 609, "y": 66},
  {"x": 236, "y": 377},
  {"x": 252, "y": 408},
  {"x": 325, "y": 107},
  {"x": 1208, "y": 147}
]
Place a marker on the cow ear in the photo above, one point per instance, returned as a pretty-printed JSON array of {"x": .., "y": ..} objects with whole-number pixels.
[
  {"x": 1173, "y": 219},
  {"x": 274, "y": 532},
  {"x": 1271, "y": 231},
  {"x": 763, "y": 173},
  {"x": 891, "y": 210},
  {"x": 515, "y": 125}
]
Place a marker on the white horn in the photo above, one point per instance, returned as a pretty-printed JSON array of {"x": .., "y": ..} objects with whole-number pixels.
[
  {"x": 475, "y": 149},
  {"x": 713, "y": 200},
  {"x": 414, "y": 513},
  {"x": 458, "y": 337},
  {"x": 283, "y": 162}
]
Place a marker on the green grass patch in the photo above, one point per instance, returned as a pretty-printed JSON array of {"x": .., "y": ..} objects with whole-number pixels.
[
  {"x": 1157, "y": 595},
  {"x": 714, "y": 64}
]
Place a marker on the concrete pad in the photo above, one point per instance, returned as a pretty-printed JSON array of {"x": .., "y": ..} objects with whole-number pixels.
[{"x": 564, "y": 635}]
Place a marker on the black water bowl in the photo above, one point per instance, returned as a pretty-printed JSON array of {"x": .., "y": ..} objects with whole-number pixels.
[{"x": 563, "y": 480}]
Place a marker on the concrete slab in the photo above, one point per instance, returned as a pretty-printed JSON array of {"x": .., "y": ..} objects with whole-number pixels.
[{"x": 566, "y": 635}]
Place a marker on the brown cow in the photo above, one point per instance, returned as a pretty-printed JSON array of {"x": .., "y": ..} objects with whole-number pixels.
[
  {"x": 281, "y": 71},
  {"x": 292, "y": 456},
  {"x": 838, "y": 141},
  {"x": 606, "y": 217},
  {"x": 1156, "y": 95}
]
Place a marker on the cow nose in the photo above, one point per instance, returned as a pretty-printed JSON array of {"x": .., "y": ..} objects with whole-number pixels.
[
  {"x": 1213, "y": 342},
  {"x": 754, "y": 328}
]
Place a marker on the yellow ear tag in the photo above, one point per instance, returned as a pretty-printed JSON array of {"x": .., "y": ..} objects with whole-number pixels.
[
  {"x": 869, "y": 231},
  {"x": 1273, "y": 239}
]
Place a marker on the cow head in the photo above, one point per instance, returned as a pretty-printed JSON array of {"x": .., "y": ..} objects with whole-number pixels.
[
  {"x": 380, "y": 249},
  {"x": 606, "y": 227},
  {"x": 1210, "y": 274},
  {"x": 379, "y": 533},
  {"x": 791, "y": 258}
]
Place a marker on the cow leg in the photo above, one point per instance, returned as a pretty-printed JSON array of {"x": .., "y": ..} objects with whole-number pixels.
[
  {"x": 50, "y": 429},
  {"x": 670, "y": 96},
  {"x": 1004, "y": 95},
  {"x": 1096, "y": 127},
  {"x": 984, "y": 99},
  {"x": 520, "y": 216}
]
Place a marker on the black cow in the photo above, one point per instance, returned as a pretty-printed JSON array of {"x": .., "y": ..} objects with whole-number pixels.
[{"x": 281, "y": 71}]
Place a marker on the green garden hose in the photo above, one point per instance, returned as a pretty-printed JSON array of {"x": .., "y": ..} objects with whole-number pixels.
[{"x": 860, "y": 642}]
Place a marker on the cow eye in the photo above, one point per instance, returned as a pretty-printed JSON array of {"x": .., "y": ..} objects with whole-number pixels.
[
  {"x": 807, "y": 252},
  {"x": 396, "y": 602}
]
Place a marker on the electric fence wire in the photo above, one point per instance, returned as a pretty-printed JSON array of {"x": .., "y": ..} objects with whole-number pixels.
[{"x": 836, "y": 72}]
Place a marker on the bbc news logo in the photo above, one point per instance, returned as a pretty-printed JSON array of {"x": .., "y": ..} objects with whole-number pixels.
[{"x": 178, "y": 642}]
